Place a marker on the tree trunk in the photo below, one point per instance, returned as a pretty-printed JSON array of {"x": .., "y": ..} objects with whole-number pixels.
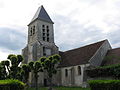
[
  {"x": 8, "y": 76},
  {"x": 26, "y": 77},
  {"x": 8, "y": 70},
  {"x": 36, "y": 81},
  {"x": 50, "y": 83}
]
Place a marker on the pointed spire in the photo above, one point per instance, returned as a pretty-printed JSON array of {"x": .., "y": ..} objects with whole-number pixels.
[{"x": 41, "y": 14}]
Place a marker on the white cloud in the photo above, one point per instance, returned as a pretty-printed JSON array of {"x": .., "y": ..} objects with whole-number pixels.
[
  {"x": 3, "y": 55},
  {"x": 1, "y": 4},
  {"x": 77, "y": 22}
]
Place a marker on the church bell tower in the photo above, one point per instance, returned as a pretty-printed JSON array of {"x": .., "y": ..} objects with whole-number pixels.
[{"x": 40, "y": 37}]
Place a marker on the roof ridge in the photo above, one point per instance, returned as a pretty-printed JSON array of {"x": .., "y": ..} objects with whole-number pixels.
[
  {"x": 85, "y": 45},
  {"x": 41, "y": 14},
  {"x": 115, "y": 48}
]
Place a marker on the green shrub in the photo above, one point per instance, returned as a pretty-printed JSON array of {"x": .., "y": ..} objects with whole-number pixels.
[
  {"x": 105, "y": 71},
  {"x": 11, "y": 84},
  {"x": 104, "y": 84}
]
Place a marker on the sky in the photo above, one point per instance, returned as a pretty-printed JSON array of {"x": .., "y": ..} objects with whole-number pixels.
[{"x": 76, "y": 23}]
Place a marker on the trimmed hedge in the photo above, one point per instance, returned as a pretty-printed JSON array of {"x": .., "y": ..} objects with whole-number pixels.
[
  {"x": 105, "y": 71},
  {"x": 11, "y": 84},
  {"x": 104, "y": 84}
]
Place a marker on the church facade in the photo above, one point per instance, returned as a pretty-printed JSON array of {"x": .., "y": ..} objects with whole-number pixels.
[{"x": 74, "y": 62}]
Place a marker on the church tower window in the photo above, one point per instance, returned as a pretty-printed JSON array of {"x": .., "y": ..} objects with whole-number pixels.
[
  {"x": 43, "y": 38},
  {"x": 47, "y": 30},
  {"x": 79, "y": 70},
  {"x": 47, "y": 33},
  {"x": 43, "y": 34},
  {"x": 43, "y": 26},
  {"x": 43, "y": 31},
  {"x": 33, "y": 30},
  {"x": 47, "y": 27},
  {"x": 48, "y": 39}
]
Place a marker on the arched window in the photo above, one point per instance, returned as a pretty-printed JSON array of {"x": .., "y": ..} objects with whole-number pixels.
[
  {"x": 79, "y": 70},
  {"x": 66, "y": 72}
]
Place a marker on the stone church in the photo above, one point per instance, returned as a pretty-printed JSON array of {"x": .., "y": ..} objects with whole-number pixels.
[{"x": 74, "y": 62}]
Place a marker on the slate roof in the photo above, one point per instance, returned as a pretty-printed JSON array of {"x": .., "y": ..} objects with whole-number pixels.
[
  {"x": 42, "y": 15},
  {"x": 112, "y": 57},
  {"x": 80, "y": 55}
]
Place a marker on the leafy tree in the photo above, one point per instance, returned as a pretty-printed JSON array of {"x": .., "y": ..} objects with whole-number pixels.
[
  {"x": 12, "y": 68},
  {"x": 36, "y": 67},
  {"x": 7, "y": 64},
  {"x": 15, "y": 69},
  {"x": 50, "y": 65},
  {"x": 25, "y": 72},
  {"x": 3, "y": 73}
]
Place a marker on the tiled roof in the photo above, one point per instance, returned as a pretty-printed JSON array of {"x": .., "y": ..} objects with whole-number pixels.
[
  {"x": 42, "y": 15},
  {"x": 80, "y": 55},
  {"x": 112, "y": 57}
]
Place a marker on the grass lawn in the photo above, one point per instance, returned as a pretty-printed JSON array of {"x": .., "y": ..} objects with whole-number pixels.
[{"x": 62, "y": 88}]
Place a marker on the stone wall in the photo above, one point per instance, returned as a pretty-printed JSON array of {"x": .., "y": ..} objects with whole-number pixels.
[
  {"x": 25, "y": 54},
  {"x": 96, "y": 60},
  {"x": 73, "y": 78}
]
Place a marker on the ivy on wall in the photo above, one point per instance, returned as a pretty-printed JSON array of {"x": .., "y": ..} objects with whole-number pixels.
[{"x": 105, "y": 71}]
